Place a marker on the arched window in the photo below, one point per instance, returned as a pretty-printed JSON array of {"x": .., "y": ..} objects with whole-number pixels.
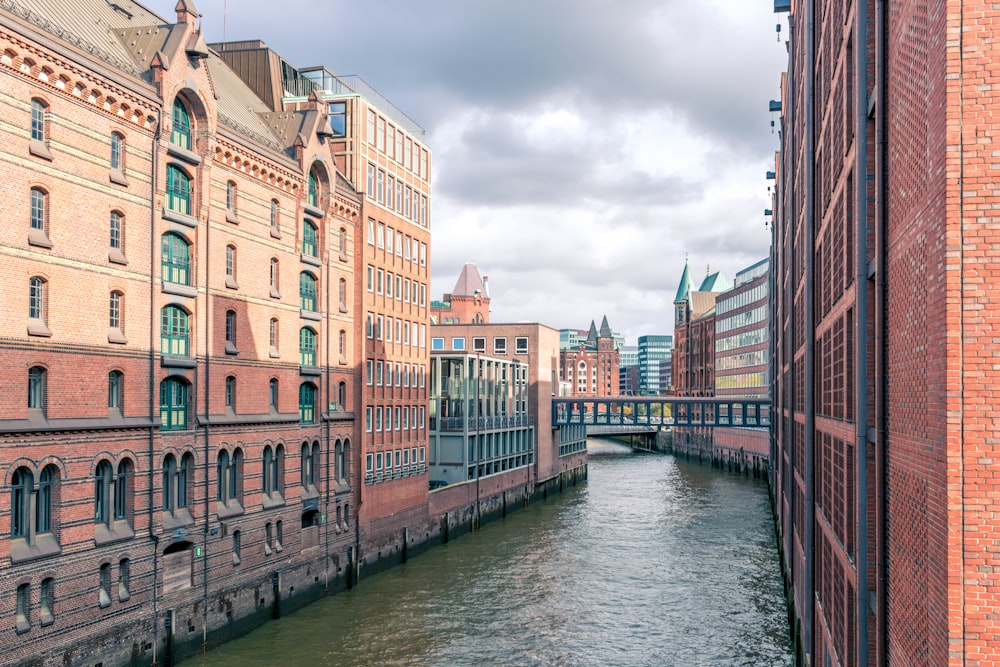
[
  {"x": 343, "y": 241},
  {"x": 342, "y": 345},
  {"x": 39, "y": 210},
  {"x": 47, "y": 484},
  {"x": 231, "y": 332},
  {"x": 117, "y": 151},
  {"x": 309, "y": 465},
  {"x": 342, "y": 294},
  {"x": 175, "y": 260},
  {"x": 22, "y": 486},
  {"x": 180, "y": 130},
  {"x": 231, "y": 196},
  {"x": 174, "y": 332},
  {"x": 342, "y": 396},
  {"x": 310, "y": 246},
  {"x": 274, "y": 276},
  {"x": 274, "y": 213},
  {"x": 116, "y": 229},
  {"x": 103, "y": 481},
  {"x": 173, "y": 405},
  {"x": 342, "y": 460},
  {"x": 312, "y": 197},
  {"x": 267, "y": 470},
  {"x": 39, "y": 120},
  {"x": 229, "y": 469},
  {"x": 230, "y": 263},
  {"x": 178, "y": 190},
  {"x": 307, "y": 403},
  {"x": 37, "y": 299},
  {"x": 307, "y": 292},
  {"x": 273, "y": 470},
  {"x": 115, "y": 310},
  {"x": 231, "y": 392},
  {"x": 37, "y": 389},
  {"x": 116, "y": 382},
  {"x": 272, "y": 394},
  {"x": 273, "y": 336},
  {"x": 123, "y": 486},
  {"x": 307, "y": 347},
  {"x": 222, "y": 475}
]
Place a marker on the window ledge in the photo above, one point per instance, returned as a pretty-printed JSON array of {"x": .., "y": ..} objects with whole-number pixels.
[
  {"x": 116, "y": 256},
  {"x": 37, "y": 327},
  {"x": 44, "y": 545},
  {"x": 179, "y": 519},
  {"x": 310, "y": 315},
  {"x": 117, "y": 176},
  {"x": 179, "y": 218},
  {"x": 22, "y": 626},
  {"x": 309, "y": 493},
  {"x": 183, "y": 154},
  {"x": 178, "y": 362},
  {"x": 179, "y": 290},
  {"x": 272, "y": 500},
  {"x": 343, "y": 308},
  {"x": 231, "y": 283},
  {"x": 116, "y": 532},
  {"x": 310, "y": 370},
  {"x": 236, "y": 560},
  {"x": 116, "y": 336},
  {"x": 342, "y": 360},
  {"x": 231, "y": 348},
  {"x": 39, "y": 149},
  {"x": 275, "y": 232},
  {"x": 104, "y": 600},
  {"x": 274, "y": 353},
  {"x": 45, "y": 618},
  {"x": 310, "y": 260},
  {"x": 314, "y": 211},
  {"x": 343, "y": 257},
  {"x": 275, "y": 294},
  {"x": 38, "y": 237},
  {"x": 225, "y": 511},
  {"x": 123, "y": 595},
  {"x": 232, "y": 217}
]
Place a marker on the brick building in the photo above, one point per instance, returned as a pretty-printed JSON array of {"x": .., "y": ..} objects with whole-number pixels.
[
  {"x": 178, "y": 379},
  {"x": 884, "y": 334},
  {"x": 469, "y": 301},
  {"x": 592, "y": 368}
]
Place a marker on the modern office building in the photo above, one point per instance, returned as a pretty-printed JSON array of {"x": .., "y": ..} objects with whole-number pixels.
[
  {"x": 655, "y": 351},
  {"x": 628, "y": 370},
  {"x": 884, "y": 331},
  {"x": 742, "y": 322}
]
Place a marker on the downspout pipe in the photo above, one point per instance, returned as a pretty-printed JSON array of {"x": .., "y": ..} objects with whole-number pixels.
[
  {"x": 861, "y": 338},
  {"x": 810, "y": 327},
  {"x": 881, "y": 344},
  {"x": 208, "y": 410},
  {"x": 153, "y": 245}
]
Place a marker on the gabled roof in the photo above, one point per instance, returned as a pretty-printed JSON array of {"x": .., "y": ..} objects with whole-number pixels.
[
  {"x": 605, "y": 328},
  {"x": 685, "y": 287},
  {"x": 715, "y": 282},
  {"x": 469, "y": 283}
]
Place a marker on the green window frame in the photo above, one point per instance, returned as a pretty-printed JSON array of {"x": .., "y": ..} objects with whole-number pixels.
[
  {"x": 173, "y": 405},
  {"x": 310, "y": 244},
  {"x": 175, "y": 260},
  {"x": 307, "y": 347},
  {"x": 307, "y": 292},
  {"x": 180, "y": 129},
  {"x": 178, "y": 190},
  {"x": 312, "y": 197},
  {"x": 307, "y": 403},
  {"x": 174, "y": 332}
]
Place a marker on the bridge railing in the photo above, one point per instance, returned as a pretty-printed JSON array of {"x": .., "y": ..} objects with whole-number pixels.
[{"x": 681, "y": 411}]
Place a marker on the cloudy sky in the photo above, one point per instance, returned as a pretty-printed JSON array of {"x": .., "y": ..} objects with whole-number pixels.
[{"x": 580, "y": 147}]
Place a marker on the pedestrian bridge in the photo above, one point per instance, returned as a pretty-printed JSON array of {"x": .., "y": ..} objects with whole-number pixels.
[{"x": 630, "y": 414}]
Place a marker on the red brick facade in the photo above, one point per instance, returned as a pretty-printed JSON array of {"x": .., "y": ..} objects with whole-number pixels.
[{"x": 884, "y": 336}]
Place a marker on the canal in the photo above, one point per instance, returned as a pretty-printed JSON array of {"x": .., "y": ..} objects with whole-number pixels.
[{"x": 652, "y": 561}]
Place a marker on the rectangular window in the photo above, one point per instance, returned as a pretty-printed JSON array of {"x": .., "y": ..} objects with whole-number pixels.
[
  {"x": 406, "y": 201},
  {"x": 368, "y": 420},
  {"x": 399, "y": 197},
  {"x": 371, "y": 127},
  {"x": 390, "y": 192},
  {"x": 499, "y": 345},
  {"x": 521, "y": 345},
  {"x": 381, "y": 235},
  {"x": 407, "y": 153},
  {"x": 389, "y": 236},
  {"x": 338, "y": 118},
  {"x": 381, "y": 134},
  {"x": 423, "y": 295},
  {"x": 388, "y": 285},
  {"x": 381, "y": 328},
  {"x": 370, "y": 327},
  {"x": 423, "y": 211},
  {"x": 423, "y": 335},
  {"x": 371, "y": 232},
  {"x": 390, "y": 141},
  {"x": 479, "y": 344},
  {"x": 423, "y": 254},
  {"x": 368, "y": 372},
  {"x": 380, "y": 282},
  {"x": 423, "y": 163},
  {"x": 437, "y": 343},
  {"x": 399, "y": 288},
  {"x": 380, "y": 186},
  {"x": 371, "y": 278},
  {"x": 378, "y": 418},
  {"x": 371, "y": 180},
  {"x": 458, "y": 344}
]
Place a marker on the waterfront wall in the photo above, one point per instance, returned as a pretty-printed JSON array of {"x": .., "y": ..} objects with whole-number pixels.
[{"x": 738, "y": 449}]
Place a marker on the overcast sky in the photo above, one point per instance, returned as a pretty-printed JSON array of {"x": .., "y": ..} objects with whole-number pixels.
[{"x": 580, "y": 147}]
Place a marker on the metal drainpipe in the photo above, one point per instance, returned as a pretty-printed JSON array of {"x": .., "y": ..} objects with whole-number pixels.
[
  {"x": 152, "y": 368},
  {"x": 207, "y": 393},
  {"x": 861, "y": 337},
  {"x": 326, "y": 425},
  {"x": 810, "y": 325},
  {"x": 881, "y": 365}
]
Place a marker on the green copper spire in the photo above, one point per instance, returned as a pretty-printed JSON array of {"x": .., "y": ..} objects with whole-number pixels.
[{"x": 685, "y": 287}]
